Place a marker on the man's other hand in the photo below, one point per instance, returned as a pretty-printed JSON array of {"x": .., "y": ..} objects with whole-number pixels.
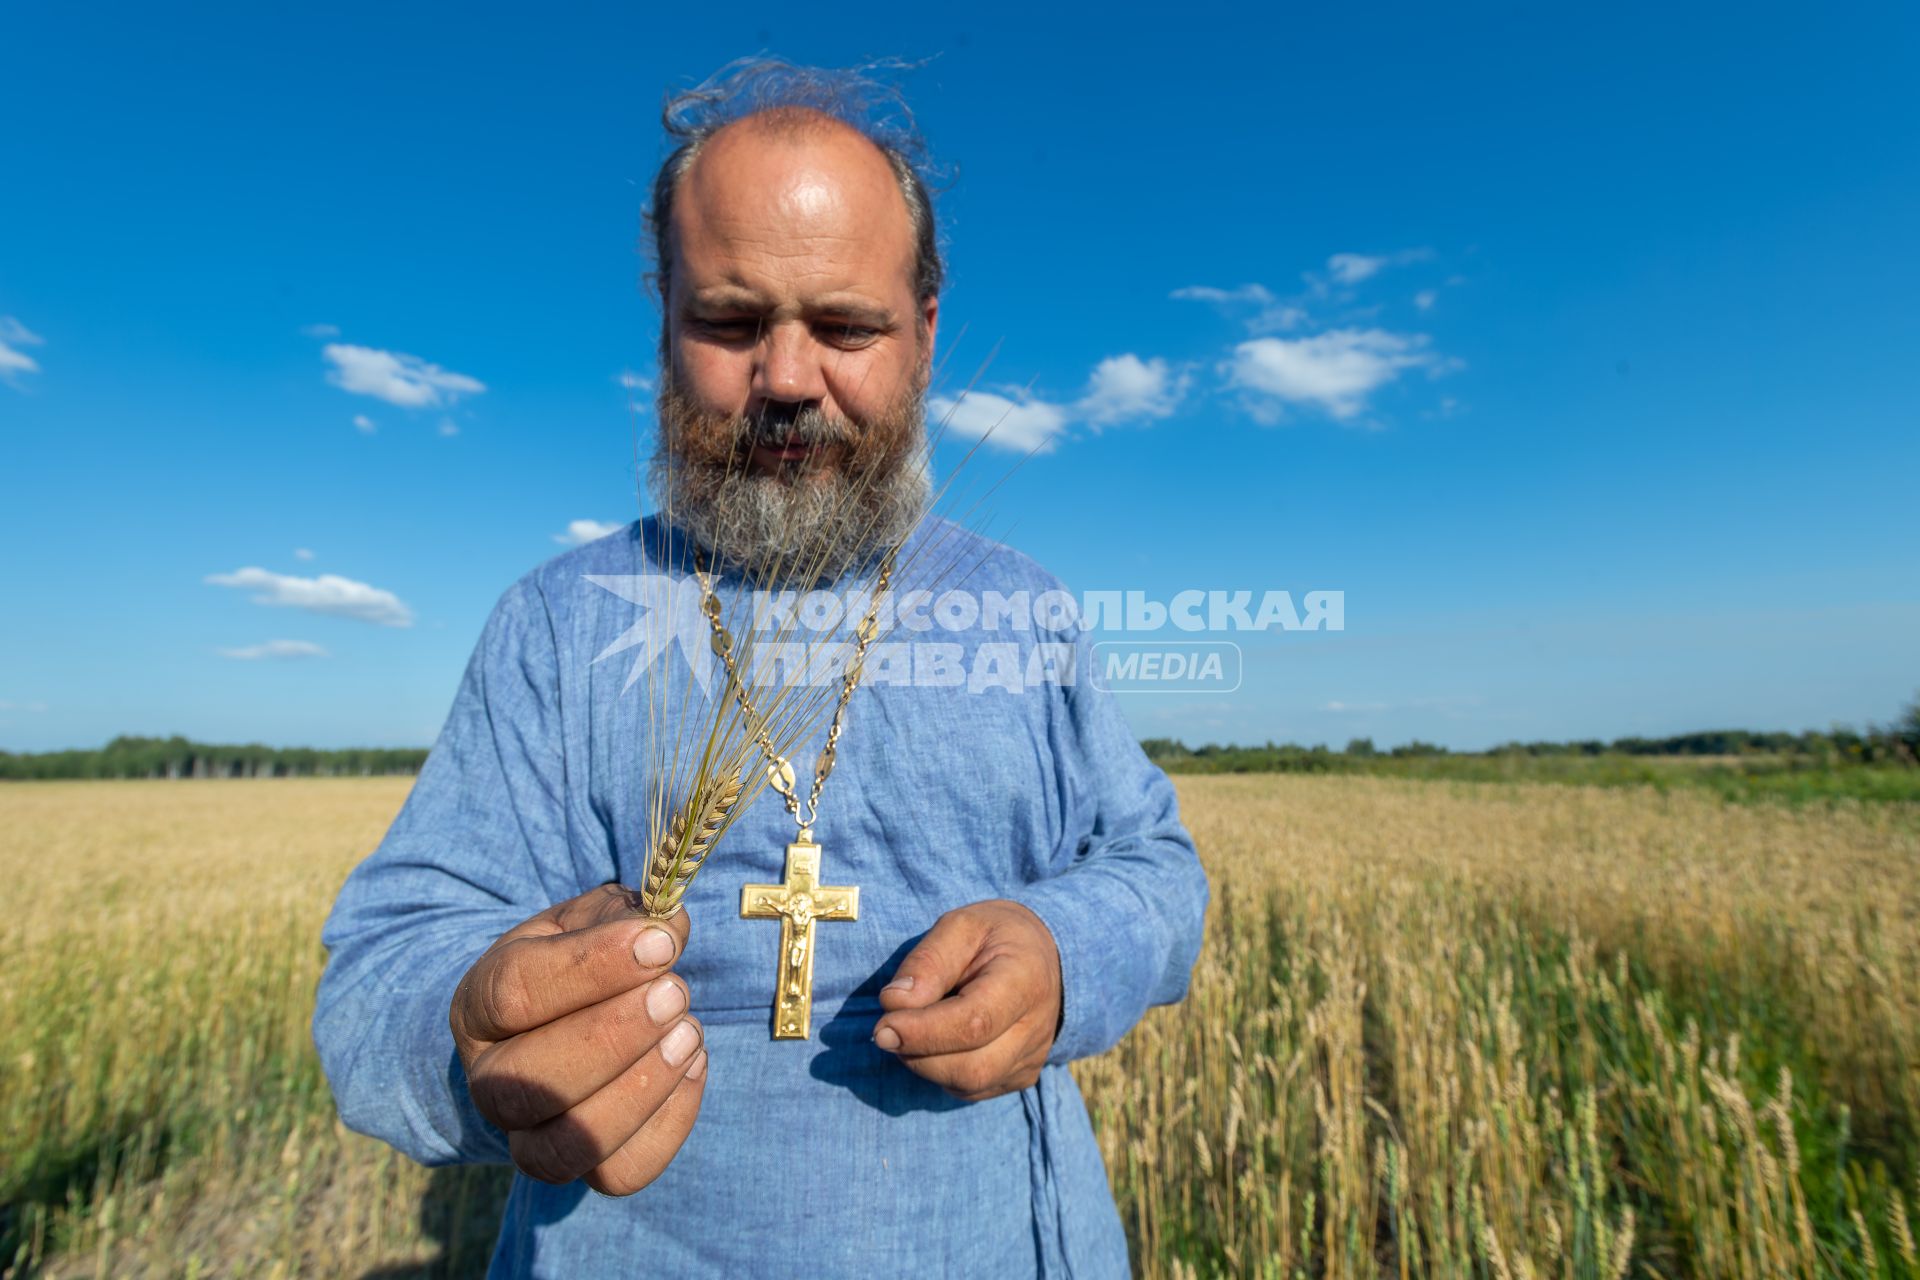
[
  {"x": 574, "y": 1034},
  {"x": 976, "y": 1005}
]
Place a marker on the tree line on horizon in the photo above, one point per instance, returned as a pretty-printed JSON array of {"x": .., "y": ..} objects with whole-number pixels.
[
  {"x": 1896, "y": 744},
  {"x": 178, "y": 757}
]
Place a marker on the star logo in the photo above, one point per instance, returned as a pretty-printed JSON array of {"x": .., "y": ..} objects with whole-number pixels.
[{"x": 669, "y": 610}]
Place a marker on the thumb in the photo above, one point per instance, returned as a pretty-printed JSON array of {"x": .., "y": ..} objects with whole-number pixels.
[{"x": 938, "y": 963}]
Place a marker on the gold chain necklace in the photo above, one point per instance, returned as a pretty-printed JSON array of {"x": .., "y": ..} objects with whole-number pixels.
[
  {"x": 780, "y": 773},
  {"x": 800, "y": 901}
]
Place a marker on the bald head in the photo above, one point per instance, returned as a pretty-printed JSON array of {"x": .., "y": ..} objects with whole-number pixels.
[
  {"x": 813, "y": 115},
  {"x": 792, "y": 188}
]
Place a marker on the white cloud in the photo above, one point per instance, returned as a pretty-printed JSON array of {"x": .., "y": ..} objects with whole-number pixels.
[
  {"x": 1121, "y": 388},
  {"x": 1024, "y": 425},
  {"x": 448, "y": 427},
  {"x": 580, "y": 532},
  {"x": 276, "y": 649},
  {"x": 1352, "y": 268},
  {"x": 1451, "y": 705},
  {"x": 302, "y": 553},
  {"x": 1426, "y": 298},
  {"x": 1125, "y": 387},
  {"x": 1335, "y": 371},
  {"x": 13, "y": 336},
  {"x": 1207, "y": 293},
  {"x": 365, "y": 424},
  {"x": 1274, "y": 314},
  {"x": 397, "y": 378},
  {"x": 328, "y": 593},
  {"x": 636, "y": 386},
  {"x": 320, "y": 330},
  {"x": 1278, "y": 318},
  {"x": 32, "y": 707}
]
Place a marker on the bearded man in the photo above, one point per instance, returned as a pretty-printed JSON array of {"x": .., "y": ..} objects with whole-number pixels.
[{"x": 813, "y": 1089}]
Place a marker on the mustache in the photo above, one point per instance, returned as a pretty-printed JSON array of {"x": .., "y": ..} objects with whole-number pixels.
[
  {"x": 692, "y": 435},
  {"x": 781, "y": 424}
]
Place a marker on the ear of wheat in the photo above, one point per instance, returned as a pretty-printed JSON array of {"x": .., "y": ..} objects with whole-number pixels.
[{"x": 687, "y": 842}]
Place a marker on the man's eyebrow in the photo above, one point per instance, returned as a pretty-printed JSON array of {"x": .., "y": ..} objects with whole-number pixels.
[
  {"x": 858, "y": 310},
  {"x": 721, "y": 296},
  {"x": 852, "y": 308}
]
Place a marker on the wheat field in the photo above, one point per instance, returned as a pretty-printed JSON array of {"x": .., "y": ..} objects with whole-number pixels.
[{"x": 1438, "y": 1029}]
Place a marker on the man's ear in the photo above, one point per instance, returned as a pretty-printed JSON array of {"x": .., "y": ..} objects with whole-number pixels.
[
  {"x": 930, "y": 321},
  {"x": 669, "y": 356}
]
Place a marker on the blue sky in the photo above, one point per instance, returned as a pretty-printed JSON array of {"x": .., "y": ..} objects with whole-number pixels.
[{"x": 1576, "y": 348}]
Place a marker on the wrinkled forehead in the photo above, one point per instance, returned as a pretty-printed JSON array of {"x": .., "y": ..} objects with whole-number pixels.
[{"x": 792, "y": 212}]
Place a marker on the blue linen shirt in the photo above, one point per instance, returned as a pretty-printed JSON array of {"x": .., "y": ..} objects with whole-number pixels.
[{"x": 827, "y": 1156}]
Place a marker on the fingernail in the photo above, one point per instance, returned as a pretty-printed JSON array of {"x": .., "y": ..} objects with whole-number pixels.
[
  {"x": 665, "y": 1000},
  {"x": 653, "y": 948},
  {"x": 902, "y": 983},
  {"x": 887, "y": 1038},
  {"x": 680, "y": 1042},
  {"x": 699, "y": 1067}
]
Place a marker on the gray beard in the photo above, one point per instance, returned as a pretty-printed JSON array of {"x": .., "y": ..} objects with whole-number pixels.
[{"x": 796, "y": 525}]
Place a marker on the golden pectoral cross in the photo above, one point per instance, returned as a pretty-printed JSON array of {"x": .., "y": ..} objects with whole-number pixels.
[{"x": 798, "y": 904}]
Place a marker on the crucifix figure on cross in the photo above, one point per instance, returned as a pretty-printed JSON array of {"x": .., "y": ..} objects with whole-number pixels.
[{"x": 798, "y": 903}]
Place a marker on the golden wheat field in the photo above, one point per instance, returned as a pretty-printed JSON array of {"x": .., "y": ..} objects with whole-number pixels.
[{"x": 1486, "y": 1030}]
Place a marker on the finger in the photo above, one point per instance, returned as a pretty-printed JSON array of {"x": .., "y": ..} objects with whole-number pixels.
[
  {"x": 530, "y": 1078},
  {"x": 573, "y": 1144},
  {"x": 973, "y": 1075},
  {"x": 528, "y": 981},
  {"x": 971, "y": 1018},
  {"x": 938, "y": 962},
  {"x": 648, "y": 1152},
  {"x": 597, "y": 905}
]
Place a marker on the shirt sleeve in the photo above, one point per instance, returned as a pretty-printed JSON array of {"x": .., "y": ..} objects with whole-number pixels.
[
  {"x": 481, "y": 844},
  {"x": 1127, "y": 903}
]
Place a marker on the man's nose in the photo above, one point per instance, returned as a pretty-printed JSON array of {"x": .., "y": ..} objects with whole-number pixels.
[{"x": 787, "y": 367}]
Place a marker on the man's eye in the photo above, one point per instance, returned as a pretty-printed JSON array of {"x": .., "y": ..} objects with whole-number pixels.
[
  {"x": 852, "y": 335},
  {"x": 727, "y": 328}
]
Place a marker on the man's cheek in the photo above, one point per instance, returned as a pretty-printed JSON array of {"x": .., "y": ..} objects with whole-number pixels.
[
  {"x": 717, "y": 380},
  {"x": 862, "y": 386}
]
